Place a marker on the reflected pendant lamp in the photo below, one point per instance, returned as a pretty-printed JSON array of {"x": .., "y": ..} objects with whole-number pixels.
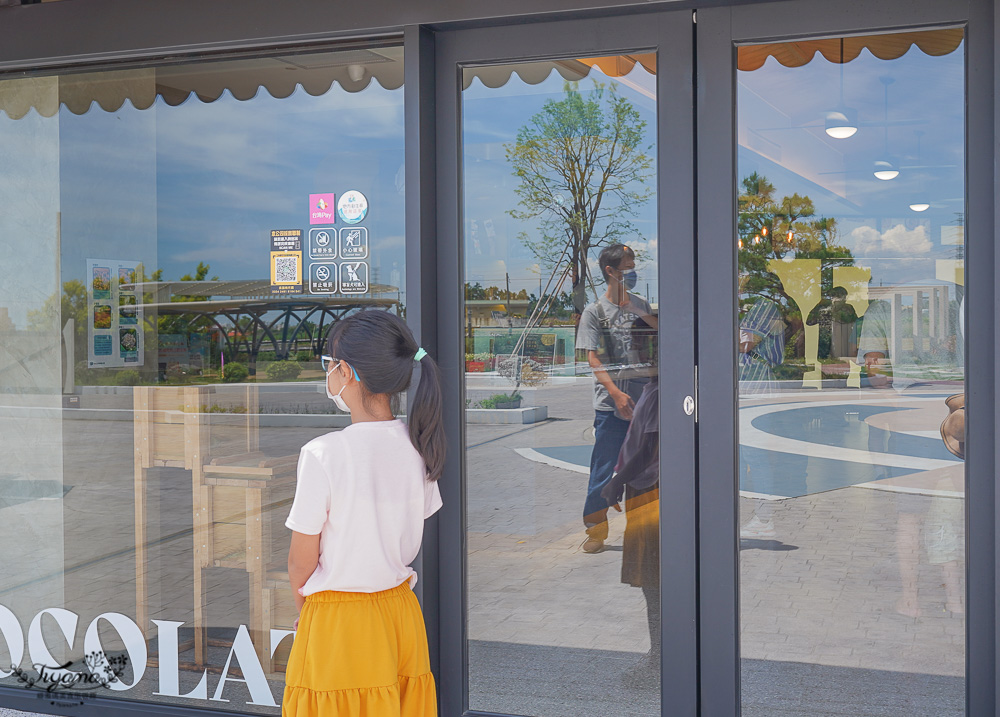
[
  {"x": 885, "y": 169},
  {"x": 841, "y": 122},
  {"x": 920, "y": 203}
]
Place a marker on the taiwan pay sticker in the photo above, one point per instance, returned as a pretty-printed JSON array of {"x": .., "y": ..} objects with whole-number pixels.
[
  {"x": 354, "y": 277},
  {"x": 354, "y": 243},
  {"x": 322, "y": 278},
  {"x": 323, "y": 243}
]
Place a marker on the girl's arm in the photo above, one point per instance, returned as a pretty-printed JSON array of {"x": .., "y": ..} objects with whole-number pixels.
[{"x": 303, "y": 557}]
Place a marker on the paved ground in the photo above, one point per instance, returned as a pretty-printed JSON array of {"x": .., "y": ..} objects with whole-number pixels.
[{"x": 845, "y": 609}]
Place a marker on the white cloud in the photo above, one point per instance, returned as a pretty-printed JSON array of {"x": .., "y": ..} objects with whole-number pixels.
[{"x": 897, "y": 241}]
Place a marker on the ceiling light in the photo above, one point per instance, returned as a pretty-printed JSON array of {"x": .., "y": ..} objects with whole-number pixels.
[
  {"x": 921, "y": 205},
  {"x": 842, "y": 123},
  {"x": 885, "y": 170}
]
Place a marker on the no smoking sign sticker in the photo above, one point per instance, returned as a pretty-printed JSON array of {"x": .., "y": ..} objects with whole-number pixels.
[{"x": 322, "y": 278}]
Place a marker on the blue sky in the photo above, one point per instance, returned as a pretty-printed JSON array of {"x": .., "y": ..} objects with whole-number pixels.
[
  {"x": 491, "y": 119},
  {"x": 172, "y": 186},
  {"x": 780, "y": 127}
]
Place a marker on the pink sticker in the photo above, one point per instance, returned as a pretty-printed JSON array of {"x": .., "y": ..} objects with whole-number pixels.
[{"x": 322, "y": 208}]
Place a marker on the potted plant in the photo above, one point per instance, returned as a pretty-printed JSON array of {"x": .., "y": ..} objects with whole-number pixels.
[
  {"x": 502, "y": 401},
  {"x": 511, "y": 401}
]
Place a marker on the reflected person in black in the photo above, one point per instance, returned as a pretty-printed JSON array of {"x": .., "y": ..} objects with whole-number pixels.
[
  {"x": 637, "y": 475},
  {"x": 605, "y": 334}
]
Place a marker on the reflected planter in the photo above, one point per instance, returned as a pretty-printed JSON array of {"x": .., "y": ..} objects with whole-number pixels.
[{"x": 475, "y": 366}]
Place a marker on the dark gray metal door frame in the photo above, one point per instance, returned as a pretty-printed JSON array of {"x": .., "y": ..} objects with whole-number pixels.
[
  {"x": 719, "y": 30},
  {"x": 670, "y": 34}
]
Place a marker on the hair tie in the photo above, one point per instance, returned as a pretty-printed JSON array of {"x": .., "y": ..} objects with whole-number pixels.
[{"x": 419, "y": 355}]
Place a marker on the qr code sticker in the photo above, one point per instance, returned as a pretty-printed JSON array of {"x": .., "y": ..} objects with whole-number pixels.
[{"x": 286, "y": 269}]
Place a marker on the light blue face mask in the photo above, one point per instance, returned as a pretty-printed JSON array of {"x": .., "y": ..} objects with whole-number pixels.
[{"x": 630, "y": 278}]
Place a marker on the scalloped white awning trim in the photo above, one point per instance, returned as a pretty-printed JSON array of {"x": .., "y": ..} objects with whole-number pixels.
[{"x": 244, "y": 79}]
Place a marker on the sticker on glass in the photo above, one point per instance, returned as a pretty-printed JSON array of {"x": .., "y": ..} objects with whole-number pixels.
[
  {"x": 321, "y": 208},
  {"x": 323, "y": 243},
  {"x": 354, "y": 243},
  {"x": 354, "y": 277},
  {"x": 322, "y": 278},
  {"x": 352, "y": 206},
  {"x": 286, "y": 261}
]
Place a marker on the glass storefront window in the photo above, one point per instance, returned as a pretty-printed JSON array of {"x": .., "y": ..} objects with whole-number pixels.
[
  {"x": 177, "y": 242},
  {"x": 561, "y": 301},
  {"x": 850, "y": 245}
]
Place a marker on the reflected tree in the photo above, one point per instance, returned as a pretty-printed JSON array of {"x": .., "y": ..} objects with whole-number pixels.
[
  {"x": 783, "y": 229},
  {"x": 583, "y": 169}
]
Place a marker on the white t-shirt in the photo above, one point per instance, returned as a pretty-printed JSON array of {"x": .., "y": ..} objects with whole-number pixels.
[{"x": 364, "y": 489}]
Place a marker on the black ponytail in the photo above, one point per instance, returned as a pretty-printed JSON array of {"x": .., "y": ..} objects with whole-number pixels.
[
  {"x": 381, "y": 348},
  {"x": 425, "y": 422}
]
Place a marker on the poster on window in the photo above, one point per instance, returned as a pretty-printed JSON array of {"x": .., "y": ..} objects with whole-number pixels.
[{"x": 114, "y": 314}]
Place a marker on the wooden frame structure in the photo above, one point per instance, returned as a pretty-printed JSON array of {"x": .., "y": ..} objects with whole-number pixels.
[{"x": 235, "y": 491}]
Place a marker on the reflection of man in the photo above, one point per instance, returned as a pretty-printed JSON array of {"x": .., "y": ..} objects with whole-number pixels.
[
  {"x": 762, "y": 347},
  {"x": 605, "y": 333}
]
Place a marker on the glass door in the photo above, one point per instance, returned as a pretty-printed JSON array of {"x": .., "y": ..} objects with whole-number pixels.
[
  {"x": 841, "y": 528},
  {"x": 851, "y": 293},
  {"x": 569, "y": 262}
]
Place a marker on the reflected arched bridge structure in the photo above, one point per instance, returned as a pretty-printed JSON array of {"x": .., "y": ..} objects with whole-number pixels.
[{"x": 250, "y": 320}]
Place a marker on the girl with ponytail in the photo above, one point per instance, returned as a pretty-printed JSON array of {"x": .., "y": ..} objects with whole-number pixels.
[{"x": 361, "y": 499}]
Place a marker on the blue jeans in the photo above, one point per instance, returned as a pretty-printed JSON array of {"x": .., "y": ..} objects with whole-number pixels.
[{"x": 609, "y": 434}]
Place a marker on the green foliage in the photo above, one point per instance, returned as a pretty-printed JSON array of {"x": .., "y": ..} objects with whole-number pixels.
[
  {"x": 235, "y": 373},
  {"x": 129, "y": 377},
  {"x": 768, "y": 229},
  {"x": 476, "y": 292},
  {"x": 790, "y": 371},
  {"x": 72, "y": 304},
  {"x": 305, "y": 356},
  {"x": 583, "y": 170},
  {"x": 283, "y": 370},
  {"x": 181, "y": 324},
  {"x": 216, "y": 408},
  {"x": 498, "y": 398}
]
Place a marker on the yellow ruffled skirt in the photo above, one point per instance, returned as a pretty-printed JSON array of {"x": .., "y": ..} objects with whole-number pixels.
[{"x": 360, "y": 655}]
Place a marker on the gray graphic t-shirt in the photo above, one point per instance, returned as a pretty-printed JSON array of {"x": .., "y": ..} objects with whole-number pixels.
[{"x": 588, "y": 338}]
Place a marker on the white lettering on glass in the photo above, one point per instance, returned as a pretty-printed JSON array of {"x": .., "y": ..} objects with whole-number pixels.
[
  {"x": 37, "y": 648},
  {"x": 13, "y": 635},
  {"x": 277, "y": 636},
  {"x": 169, "y": 663},
  {"x": 260, "y": 693},
  {"x": 135, "y": 648}
]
